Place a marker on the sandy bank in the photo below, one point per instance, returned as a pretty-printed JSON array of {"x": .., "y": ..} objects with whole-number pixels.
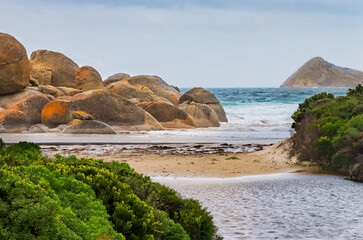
[{"x": 273, "y": 159}]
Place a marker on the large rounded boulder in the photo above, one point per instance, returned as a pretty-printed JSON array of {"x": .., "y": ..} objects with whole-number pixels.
[
  {"x": 32, "y": 106},
  {"x": 78, "y": 126},
  {"x": 135, "y": 93},
  {"x": 87, "y": 78},
  {"x": 200, "y": 95},
  {"x": 204, "y": 115},
  {"x": 52, "y": 68},
  {"x": 156, "y": 85},
  {"x": 8, "y": 100},
  {"x": 115, "y": 78},
  {"x": 14, "y": 65},
  {"x": 103, "y": 106},
  {"x": 169, "y": 115},
  {"x": 14, "y": 121}
]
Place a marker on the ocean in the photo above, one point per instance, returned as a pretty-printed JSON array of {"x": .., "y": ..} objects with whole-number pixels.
[{"x": 255, "y": 115}]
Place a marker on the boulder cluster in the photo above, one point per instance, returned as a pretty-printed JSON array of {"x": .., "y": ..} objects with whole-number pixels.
[{"x": 51, "y": 93}]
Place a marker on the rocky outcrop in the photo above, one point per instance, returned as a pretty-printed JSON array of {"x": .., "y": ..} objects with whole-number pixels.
[
  {"x": 50, "y": 90},
  {"x": 52, "y": 68},
  {"x": 10, "y": 99},
  {"x": 319, "y": 73},
  {"x": 115, "y": 78},
  {"x": 135, "y": 93},
  {"x": 82, "y": 115},
  {"x": 356, "y": 169},
  {"x": 69, "y": 91},
  {"x": 200, "y": 95},
  {"x": 78, "y": 126},
  {"x": 14, "y": 65},
  {"x": 32, "y": 106},
  {"x": 204, "y": 115},
  {"x": 157, "y": 86},
  {"x": 14, "y": 121},
  {"x": 169, "y": 115},
  {"x": 103, "y": 106},
  {"x": 87, "y": 78},
  {"x": 39, "y": 128}
]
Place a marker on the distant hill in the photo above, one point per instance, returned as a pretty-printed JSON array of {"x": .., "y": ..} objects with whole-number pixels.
[{"x": 319, "y": 73}]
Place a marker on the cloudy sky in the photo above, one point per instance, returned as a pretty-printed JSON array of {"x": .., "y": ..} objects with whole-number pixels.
[{"x": 216, "y": 43}]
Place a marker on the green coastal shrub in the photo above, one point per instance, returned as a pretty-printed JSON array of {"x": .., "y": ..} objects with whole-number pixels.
[
  {"x": 91, "y": 199},
  {"x": 328, "y": 129}
]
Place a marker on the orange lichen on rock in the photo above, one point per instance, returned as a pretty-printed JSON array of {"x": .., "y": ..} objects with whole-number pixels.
[{"x": 56, "y": 110}]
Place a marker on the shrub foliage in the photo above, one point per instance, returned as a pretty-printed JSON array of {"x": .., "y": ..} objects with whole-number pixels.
[
  {"x": 328, "y": 129},
  {"x": 84, "y": 198}
]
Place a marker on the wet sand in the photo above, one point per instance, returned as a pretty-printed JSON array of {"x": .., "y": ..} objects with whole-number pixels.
[{"x": 222, "y": 163}]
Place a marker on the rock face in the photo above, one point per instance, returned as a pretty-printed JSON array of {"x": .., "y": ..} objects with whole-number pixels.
[
  {"x": 8, "y": 100},
  {"x": 115, "y": 78},
  {"x": 53, "y": 68},
  {"x": 135, "y": 93},
  {"x": 204, "y": 116},
  {"x": 32, "y": 106},
  {"x": 14, "y": 65},
  {"x": 53, "y": 91},
  {"x": 82, "y": 115},
  {"x": 169, "y": 115},
  {"x": 87, "y": 78},
  {"x": 157, "y": 86},
  {"x": 14, "y": 121},
  {"x": 78, "y": 126},
  {"x": 103, "y": 106},
  {"x": 69, "y": 91},
  {"x": 200, "y": 95},
  {"x": 356, "y": 169},
  {"x": 319, "y": 73}
]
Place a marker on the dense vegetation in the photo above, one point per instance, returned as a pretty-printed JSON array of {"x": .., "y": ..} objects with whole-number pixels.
[
  {"x": 72, "y": 198},
  {"x": 329, "y": 129}
]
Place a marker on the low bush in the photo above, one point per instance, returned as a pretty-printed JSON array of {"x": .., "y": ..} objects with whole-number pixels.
[
  {"x": 72, "y": 198},
  {"x": 329, "y": 129}
]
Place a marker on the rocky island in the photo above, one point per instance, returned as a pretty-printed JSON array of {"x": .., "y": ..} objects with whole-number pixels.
[
  {"x": 50, "y": 93},
  {"x": 319, "y": 73}
]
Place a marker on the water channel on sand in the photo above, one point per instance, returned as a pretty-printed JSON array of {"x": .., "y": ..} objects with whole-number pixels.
[{"x": 279, "y": 206}]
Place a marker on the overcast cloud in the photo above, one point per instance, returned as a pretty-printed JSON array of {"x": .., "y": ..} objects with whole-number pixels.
[{"x": 193, "y": 43}]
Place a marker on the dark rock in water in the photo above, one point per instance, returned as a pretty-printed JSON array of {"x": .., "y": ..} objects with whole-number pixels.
[
  {"x": 169, "y": 115},
  {"x": 103, "y": 106},
  {"x": 87, "y": 78},
  {"x": 356, "y": 169},
  {"x": 10, "y": 99},
  {"x": 32, "y": 106},
  {"x": 52, "y": 68},
  {"x": 82, "y": 115},
  {"x": 78, "y": 126},
  {"x": 39, "y": 128},
  {"x": 14, "y": 121},
  {"x": 200, "y": 95},
  {"x": 204, "y": 115},
  {"x": 319, "y": 73},
  {"x": 14, "y": 65},
  {"x": 115, "y": 78}
]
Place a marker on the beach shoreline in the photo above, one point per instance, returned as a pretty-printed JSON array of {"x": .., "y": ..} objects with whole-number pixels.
[{"x": 223, "y": 161}]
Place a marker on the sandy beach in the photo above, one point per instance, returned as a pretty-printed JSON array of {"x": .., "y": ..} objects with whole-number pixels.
[{"x": 272, "y": 159}]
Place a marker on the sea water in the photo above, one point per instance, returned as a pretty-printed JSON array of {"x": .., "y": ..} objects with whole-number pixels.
[{"x": 255, "y": 114}]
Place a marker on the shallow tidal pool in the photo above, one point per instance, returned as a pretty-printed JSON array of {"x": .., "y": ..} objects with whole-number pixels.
[{"x": 279, "y": 206}]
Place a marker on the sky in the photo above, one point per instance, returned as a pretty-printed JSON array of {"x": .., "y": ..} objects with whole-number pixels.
[{"x": 200, "y": 43}]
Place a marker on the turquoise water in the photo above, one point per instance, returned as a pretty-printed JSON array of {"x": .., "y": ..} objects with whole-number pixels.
[{"x": 255, "y": 114}]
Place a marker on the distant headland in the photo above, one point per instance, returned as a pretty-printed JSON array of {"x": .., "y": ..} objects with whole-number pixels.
[{"x": 319, "y": 73}]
